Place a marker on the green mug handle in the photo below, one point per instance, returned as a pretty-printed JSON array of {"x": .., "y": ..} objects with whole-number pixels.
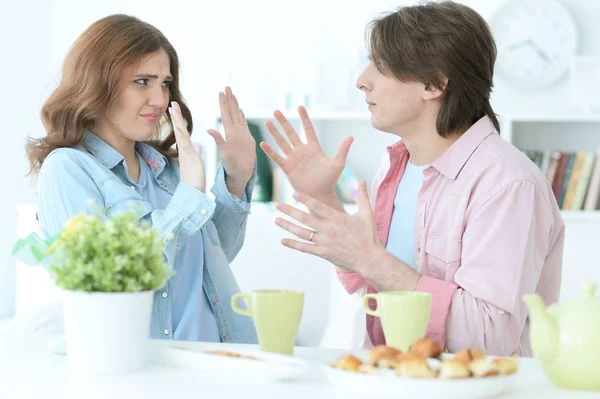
[
  {"x": 368, "y": 308},
  {"x": 236, "y": 308}
]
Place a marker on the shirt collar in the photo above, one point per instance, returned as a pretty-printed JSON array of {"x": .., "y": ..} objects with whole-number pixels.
[
  {"x": 454, "y": 159},
  {"x": 111, "y": 157},
  {"x": 451, "y": 162}
]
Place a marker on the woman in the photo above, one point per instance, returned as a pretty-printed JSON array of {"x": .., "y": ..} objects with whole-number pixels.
[{"x": 109, "y": 139}]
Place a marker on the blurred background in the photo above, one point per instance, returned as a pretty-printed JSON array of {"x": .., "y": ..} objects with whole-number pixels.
[{"x": 281, "y": 54}]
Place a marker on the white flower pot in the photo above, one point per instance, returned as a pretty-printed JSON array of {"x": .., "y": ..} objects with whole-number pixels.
[{"x": 107, "y": 332}]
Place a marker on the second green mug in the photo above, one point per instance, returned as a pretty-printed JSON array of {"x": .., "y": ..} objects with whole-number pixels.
[
  {"x": 276, "y": 315},
  {"x": 404, "y": 316}
]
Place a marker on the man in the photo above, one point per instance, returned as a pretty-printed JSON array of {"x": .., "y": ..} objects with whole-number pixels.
[{"x": 458, "y": 212}]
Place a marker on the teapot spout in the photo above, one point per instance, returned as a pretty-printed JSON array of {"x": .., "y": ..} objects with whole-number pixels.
[{"x": 543, "y": 329}]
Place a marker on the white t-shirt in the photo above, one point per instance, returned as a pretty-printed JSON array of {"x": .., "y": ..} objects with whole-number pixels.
[{"x": 401, "y": 238}]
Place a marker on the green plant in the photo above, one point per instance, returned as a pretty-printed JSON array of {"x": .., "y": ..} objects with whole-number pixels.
[{"x": 96, "y": 253}]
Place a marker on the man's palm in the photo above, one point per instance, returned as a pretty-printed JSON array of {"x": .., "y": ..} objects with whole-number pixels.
[
  {"x": 310, "y": 171},
  {"x": 305, "y": 165}
]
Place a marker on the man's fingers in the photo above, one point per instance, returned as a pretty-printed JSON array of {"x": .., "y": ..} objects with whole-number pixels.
[
  {"x": 282, "y": 143},
  {"x": 275, "y": 157}
]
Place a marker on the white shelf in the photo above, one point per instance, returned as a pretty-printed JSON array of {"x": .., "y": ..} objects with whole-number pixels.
[
  {"x": 553, "y": 118},
  {"x": 360, "y": 114},
  {"x": 292, "y": 114},
  {"x": 270, "y": 206},
  {"x": 568, "y": 216},
  {"x": 581, "y": 216}
]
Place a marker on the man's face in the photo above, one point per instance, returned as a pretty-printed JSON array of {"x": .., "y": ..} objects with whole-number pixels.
[{"x": 394, "y": 105}]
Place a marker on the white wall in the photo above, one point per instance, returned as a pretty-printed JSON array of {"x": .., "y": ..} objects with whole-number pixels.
[
  {"x": 216, "y": 48},
  {"x": 25, "y": 74}
]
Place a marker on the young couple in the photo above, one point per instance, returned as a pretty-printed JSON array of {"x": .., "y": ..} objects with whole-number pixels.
[{"x": 455, "y": 211}]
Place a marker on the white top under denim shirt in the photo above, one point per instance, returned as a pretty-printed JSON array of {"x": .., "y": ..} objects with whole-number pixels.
[
  {"x": 192, "y": 316},
  {"x": 70, "y": 177},
  {"x": 401, "y": 238}
]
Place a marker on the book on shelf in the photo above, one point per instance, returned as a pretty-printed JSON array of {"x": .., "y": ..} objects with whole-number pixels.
[
  {"x": 591, "y": 200},
  {"x": 573, "y": 176},
  {"x": 346, "y": 187}
]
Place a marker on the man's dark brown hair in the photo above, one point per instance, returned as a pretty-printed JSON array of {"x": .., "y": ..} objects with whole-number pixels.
[{"x": 435, "y": 42}]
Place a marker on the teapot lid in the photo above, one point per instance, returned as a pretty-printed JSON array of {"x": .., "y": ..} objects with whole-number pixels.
[{"x": 586, "y": 302}]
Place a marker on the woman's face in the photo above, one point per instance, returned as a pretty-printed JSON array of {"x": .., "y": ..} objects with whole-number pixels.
[{"x": 143, "y": 100}]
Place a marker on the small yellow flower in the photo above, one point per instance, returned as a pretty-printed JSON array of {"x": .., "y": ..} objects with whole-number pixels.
[
  {"x": 70, "y": 228},
  {"x": 73, "y": 223},
  {"x": 56, "y": 244}
]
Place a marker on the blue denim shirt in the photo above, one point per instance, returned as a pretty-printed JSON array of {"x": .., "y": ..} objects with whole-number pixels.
[{"x": 70, "y": 177}]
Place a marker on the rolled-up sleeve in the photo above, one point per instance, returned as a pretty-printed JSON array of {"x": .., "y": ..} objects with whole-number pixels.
[
  {"x": 504, "y": 248},
  {"x": 351, "y": 281},
  {"x": 441, "y": 292}
]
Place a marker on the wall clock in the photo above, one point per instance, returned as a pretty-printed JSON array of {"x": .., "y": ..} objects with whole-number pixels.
[{"x": 536, "y": 41}]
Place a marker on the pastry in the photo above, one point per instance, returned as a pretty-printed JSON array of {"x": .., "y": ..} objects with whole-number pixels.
[
  {"x": 451, "y": 369},
  {"x": 482, "y": 368},
  {"x": 384, "y": 356},
  {"x": 366, "y": 369},
  {"x": 427, "y": 348},
  {"x": 409, "y": 357},
  {"x": 349, "y": 363},
  {"x": 468, "y": 355},
  {"x": 506, "y": 365},
  {"x": 414, "y": 366},
  {"x": 231, "y": 354}
]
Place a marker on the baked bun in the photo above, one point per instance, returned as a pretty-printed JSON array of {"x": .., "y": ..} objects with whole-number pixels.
[
  {"x": 426, "y": 348},
  {"x": 384, "y": 356},
  {"x": 468, "y": 355},
  {"x": 414, "y": 366},
  {"x": 349, "y": 363},
  {"x": 451, "y": 369},
  {"x": 482, "y": 368},
  {"x": 506, "y": 365}
]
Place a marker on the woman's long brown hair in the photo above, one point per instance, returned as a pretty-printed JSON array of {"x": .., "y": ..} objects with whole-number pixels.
[{"x": 91, "y": 80}]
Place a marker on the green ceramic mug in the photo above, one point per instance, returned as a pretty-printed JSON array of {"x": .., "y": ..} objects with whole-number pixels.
[
  {"x": 404, "y": 316},
  {"x": 276, "y": 315}
]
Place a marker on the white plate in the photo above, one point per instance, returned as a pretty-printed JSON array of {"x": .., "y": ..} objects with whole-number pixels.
[
  {"x": 268, "y": 367},
  {"x": 390, "y": 385}
]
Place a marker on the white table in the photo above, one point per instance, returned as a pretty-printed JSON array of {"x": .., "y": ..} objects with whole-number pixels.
[{"x": 28, "y": 369}]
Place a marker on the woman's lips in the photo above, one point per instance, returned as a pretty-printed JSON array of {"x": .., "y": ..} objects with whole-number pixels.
[{"x": 150, "y": 117}]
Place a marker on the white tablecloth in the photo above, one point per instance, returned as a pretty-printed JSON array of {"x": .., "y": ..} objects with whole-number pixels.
[{"x": 29, "y": 369}]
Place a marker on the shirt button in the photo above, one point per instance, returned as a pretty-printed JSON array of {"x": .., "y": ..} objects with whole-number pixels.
[
  {"x": 418, "y": 250},
  {"x": 204, "y": 211},
  {"x": 215, "y": 301},
  {"x": 164, "y": 295},
  {"x": 225, "y": 336},
  {"x": 501, "y": 311},
  {"x": 166, "y": 332},
  {"x": 163, "y": 185}
]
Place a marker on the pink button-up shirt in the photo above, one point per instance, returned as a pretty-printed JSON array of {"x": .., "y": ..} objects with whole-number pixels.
[{"x": 487, "y": 231}]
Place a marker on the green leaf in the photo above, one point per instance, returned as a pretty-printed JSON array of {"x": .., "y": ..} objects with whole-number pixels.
[{"x": 110, "y": 254}]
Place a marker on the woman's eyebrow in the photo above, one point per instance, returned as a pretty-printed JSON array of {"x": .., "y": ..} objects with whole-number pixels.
[{"x": 150, "y": 76}]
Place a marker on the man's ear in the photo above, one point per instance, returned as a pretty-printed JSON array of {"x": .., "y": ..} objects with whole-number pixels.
[{"x": 432, "y": 92}]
